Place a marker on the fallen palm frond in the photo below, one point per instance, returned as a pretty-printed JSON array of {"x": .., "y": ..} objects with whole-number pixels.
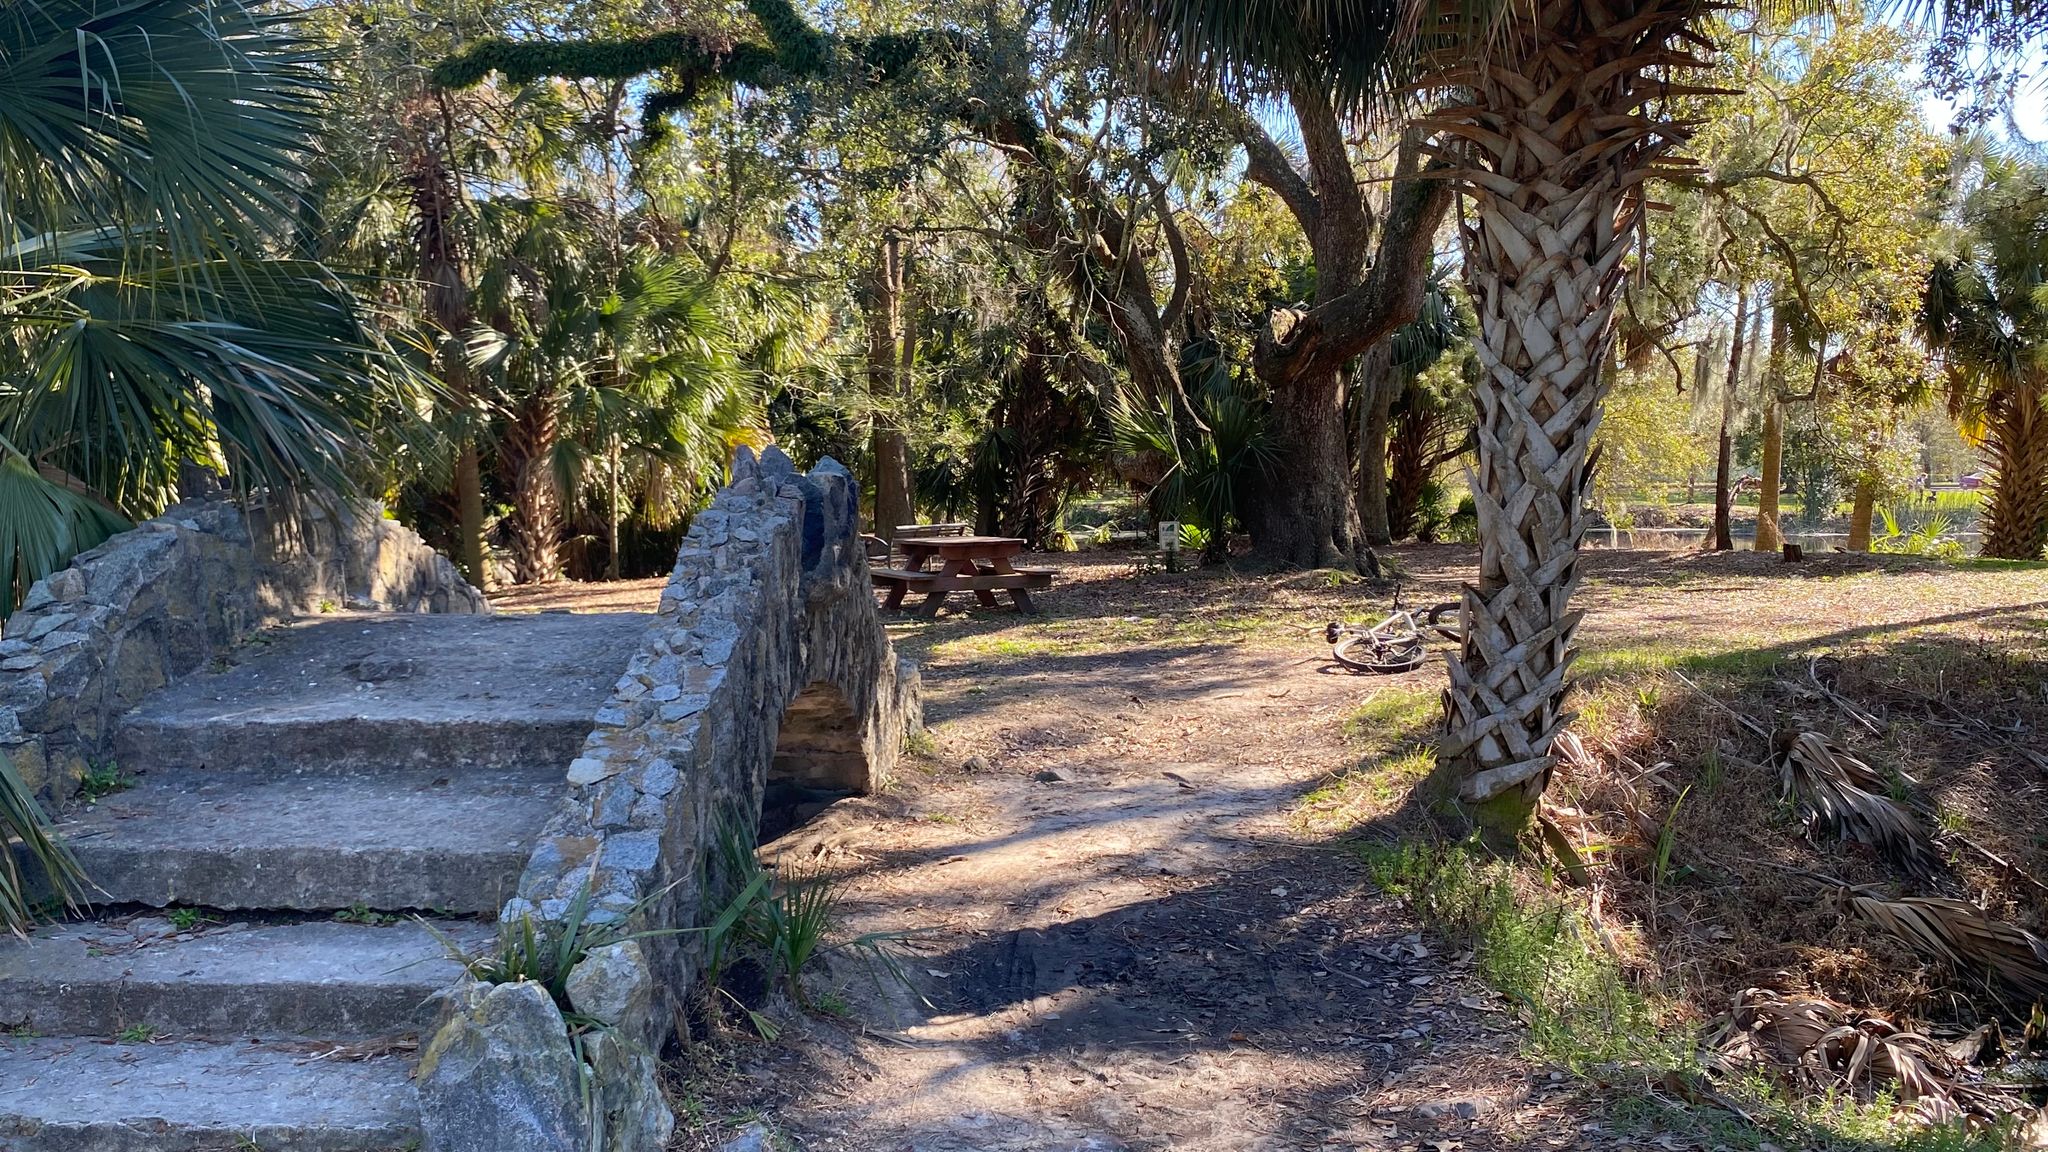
[
  {"x": 1837, "y": 792},
  {"x": 1829, "y": 1046},
  {"x": 1964, "y": 937}
]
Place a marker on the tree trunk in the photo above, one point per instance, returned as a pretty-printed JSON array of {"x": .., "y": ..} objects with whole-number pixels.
[
  {"x": 2016, "y": 515},
  {"x": 895, "y": 504},
  {"x": 1861, "y": 505},
  {"x": 1304, "y": 516},
  {"x": 1556, "y": 156},
  {"x": 1723, "y": 491},
  {"x": 1378, "y": 386},
  {"x": 1772, "y": 477},
  {"x": 469, "y": 515},
  {"x": 528, "y": 450},
  {"x": 612, "y": 517}
]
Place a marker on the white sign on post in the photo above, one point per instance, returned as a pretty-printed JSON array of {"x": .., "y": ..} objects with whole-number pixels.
[{"x": 1169, "y": 535}]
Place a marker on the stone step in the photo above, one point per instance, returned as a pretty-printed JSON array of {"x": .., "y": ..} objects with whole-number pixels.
[
  {"x": 93, "y": 1096},
  {"x": 326, "y": 979},
  {"x": 450, "y": 842},
  {"x": 371, "y": 692}
]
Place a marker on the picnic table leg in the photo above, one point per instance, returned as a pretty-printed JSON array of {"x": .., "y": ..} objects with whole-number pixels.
[
  {"x": 933, "y": 601},
  {"x": 896, "y": 590},
  {"x": 1001, "y": 566},
  {"x": 987, "y": 596}
]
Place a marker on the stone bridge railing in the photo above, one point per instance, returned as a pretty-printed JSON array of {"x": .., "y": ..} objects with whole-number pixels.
[
  {"x": 767, "y": 659},
  {"x": 153, "y": 604}
]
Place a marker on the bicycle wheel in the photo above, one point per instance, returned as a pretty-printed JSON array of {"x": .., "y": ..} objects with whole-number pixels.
[
  {"x": 1453, "y": 631},
  {"x": 1363, "y": 652}
]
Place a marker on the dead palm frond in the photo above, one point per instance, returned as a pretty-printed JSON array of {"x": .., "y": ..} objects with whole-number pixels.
[
  {"x": 1838, "y": 794},
  {"x": 1829, "y": 1046},
  {"x": 1962, "y": 936}
]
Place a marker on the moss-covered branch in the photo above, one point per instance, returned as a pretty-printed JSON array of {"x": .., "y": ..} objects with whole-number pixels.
[{"x": 693, "y": 63}]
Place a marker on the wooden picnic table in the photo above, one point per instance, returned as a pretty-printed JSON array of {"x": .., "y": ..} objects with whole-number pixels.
[{"x": 941, "y": 565}]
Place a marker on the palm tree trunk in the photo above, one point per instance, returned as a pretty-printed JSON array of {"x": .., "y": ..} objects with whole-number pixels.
[
  {"x": 2016, "y": 515},
  {"x": 611, "y": 531},
  {"x": 469, "y": 514},
  {"x": 1556, "y": 147},
  {"x": 1378, "y": 384},
  {"x": 528, "y": 449},
  {"x": 1862, "y": 505}
]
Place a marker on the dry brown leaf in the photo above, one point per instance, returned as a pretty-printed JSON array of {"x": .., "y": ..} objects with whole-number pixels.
[
  {"x": 1837, "y": 791},
  {"x": 1963, "y": 936},
  {"x": 1829, "y": 1046}
]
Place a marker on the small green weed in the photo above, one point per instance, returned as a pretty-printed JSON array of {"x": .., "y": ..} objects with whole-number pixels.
[
  {"x": 363, "y": 914},
  {"x": 918, "y": 743},
  {"x": 186, "y": 919},
  {"x": 136, "y": 1034},
  {"x": 103, "y": 780}
]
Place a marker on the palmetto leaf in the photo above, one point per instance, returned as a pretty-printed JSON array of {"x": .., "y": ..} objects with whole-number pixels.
[
  {"x": 1962, "y": 936},
  {"x": 25, "y": 838},
  {"x": 1831, "y": 1046},
  {"x": 1838, "y": 793},
  {"x": 42, "y": 525}
]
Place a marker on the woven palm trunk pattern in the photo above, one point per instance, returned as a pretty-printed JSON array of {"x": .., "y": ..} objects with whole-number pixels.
[
  {"x": 2016, "y": 439},
  {"x": 1552, "y": 154}
]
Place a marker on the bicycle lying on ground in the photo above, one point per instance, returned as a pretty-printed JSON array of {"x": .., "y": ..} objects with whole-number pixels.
[{"x": 1396, "y": 644}]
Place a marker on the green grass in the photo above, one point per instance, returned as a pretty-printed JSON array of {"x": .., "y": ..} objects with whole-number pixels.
[{"x": 136, "y": 1034}]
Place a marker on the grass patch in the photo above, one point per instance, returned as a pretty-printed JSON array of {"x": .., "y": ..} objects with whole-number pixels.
[{"x": 1540, "y": 952}]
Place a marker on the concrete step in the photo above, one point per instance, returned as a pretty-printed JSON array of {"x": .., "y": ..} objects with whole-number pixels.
[
  {"x": 229, "y": 981},
  {"x": 371, "y": 692},
  {"x": 93, "y": 1096},
  {"x": 451, "y": 842}
]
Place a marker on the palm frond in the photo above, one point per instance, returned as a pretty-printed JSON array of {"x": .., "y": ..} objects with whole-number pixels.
[
  {"x": 1840, "y": 795},
  {"x": 1963, "y": 937},
  {"x": 42, "y": 525},
  {"x": 25, "y": 837}
]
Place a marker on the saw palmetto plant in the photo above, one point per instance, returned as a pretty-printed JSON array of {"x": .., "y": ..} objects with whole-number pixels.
[{"x": 152, "y": 154}]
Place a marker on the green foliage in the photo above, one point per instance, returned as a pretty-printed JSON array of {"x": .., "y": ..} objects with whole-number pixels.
[
  {"x": 25, "y": 839},
  {"x": 1928, "y": 537},
  {"x": 1541, "y": 954},
  {"x": 1211, "y": 469},
  {"x": 153, "y": 158}
]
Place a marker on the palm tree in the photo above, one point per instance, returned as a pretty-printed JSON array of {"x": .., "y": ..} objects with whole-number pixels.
[
  {"x": 1986, "y": 316},
  {"x": 152, "y": 154},
  {"x": 1558, "y": 123}
]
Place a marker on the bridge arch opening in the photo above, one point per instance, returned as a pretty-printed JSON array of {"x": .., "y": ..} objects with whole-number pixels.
[{"x": 820, "y": 757}]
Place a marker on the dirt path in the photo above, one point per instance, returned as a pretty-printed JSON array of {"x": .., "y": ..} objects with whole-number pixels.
[{"x": 1125, "y": 942}]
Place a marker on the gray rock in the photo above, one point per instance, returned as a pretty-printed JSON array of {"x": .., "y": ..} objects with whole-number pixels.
[
  {"x": 613, "y": 984},
  {"x": 628, "y": 1083},
  {"x": 44, "y": 625},
  {"x": 500, "y": 1074}
]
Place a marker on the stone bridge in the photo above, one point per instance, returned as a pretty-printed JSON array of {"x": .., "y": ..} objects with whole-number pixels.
[{"x": 303, "y": 765}]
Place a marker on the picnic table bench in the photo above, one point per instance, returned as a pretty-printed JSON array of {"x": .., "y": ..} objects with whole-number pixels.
[{"x": 938, "y": 566}]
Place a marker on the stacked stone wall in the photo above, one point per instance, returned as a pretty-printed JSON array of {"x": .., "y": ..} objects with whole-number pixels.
[
  {"x": 164, "y": 599},
  {"x": 767, "y": 620}
]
